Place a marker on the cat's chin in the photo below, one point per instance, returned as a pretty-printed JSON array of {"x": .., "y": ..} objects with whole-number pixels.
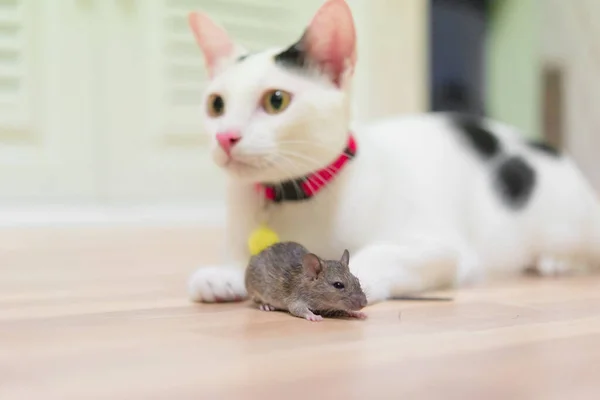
[
  {"x": 248, "y": 171},
  {"x": 241, "y": 171},
  {"x": 245, "y": 173}
]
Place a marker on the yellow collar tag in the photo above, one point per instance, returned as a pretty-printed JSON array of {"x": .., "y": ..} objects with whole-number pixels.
[{"x": 261, "y": 238}]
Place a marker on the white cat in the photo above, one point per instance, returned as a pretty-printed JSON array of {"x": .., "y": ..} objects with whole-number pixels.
[{"x": 426, "y": 202}]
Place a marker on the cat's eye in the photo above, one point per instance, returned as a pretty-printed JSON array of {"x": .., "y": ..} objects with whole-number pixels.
[
  {"x": 215, "y": 106},
  {"x": 338, "y": 285},
  {"x": 275, "y": 101}
]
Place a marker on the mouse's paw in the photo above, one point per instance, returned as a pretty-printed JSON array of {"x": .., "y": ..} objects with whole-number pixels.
[
  {"x": 217, "y": 284},
  {"x": 312, "y": 317},
  {"x": 357, "y": 314},
  {"x": 266, "y": 307}
]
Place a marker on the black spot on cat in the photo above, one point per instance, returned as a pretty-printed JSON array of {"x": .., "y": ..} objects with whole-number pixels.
[
  {"x": 544, "y": 148},
  {"x": 294, "y": 56},
  {"x": 481, "y": 139},
  {"x": 516, "y": 181}
]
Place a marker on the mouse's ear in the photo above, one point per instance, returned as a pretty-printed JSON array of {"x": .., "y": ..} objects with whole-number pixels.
[
  {"x": 312, "y": 265},
  {"x": 345, "y": 260}
]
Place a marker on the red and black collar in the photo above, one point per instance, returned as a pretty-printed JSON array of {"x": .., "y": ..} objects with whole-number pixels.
[{"x": 305, "y": 187}]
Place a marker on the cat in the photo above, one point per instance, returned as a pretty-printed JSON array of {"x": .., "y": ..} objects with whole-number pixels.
[{"x": 422, "y": 201}]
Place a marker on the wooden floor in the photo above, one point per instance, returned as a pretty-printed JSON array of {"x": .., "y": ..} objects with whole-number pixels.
[{"x": 103, "y": 314}]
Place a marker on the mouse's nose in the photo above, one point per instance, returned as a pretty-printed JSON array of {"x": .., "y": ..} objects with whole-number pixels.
[
  {"x": 227, "y": 140},
  {"x": 359, "y": 302},
  {"x": 363, "y": 302}
]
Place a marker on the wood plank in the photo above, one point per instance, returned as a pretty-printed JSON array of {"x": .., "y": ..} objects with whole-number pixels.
[{"x": 103, "y": 313}]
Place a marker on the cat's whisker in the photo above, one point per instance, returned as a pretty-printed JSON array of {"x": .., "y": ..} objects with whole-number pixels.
[
  {"x": 294, "y": 162},
  {"x": 320, "y": 145},
  {"x": 294, "y": 165},
  {"x": 320, "y": 180},
  {"x": 296, "y": 187},
  {"x": 257, "y": 148},
  {"x": 314, "y": 163},
  {"x": 289, "y": 177}
]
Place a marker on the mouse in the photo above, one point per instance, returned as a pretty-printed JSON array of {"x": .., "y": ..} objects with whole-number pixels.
[{"x": 287, "y": 277}]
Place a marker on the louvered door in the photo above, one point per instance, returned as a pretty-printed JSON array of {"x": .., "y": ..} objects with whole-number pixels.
[
  {"x": 45, "y": 134},
  {"x": 158, "y": 152}
]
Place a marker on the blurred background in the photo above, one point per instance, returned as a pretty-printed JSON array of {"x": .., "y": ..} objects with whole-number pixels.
[{"x": 99, "y": 99}]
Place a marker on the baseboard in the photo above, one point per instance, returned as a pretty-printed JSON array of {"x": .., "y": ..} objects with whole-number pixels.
[{"x": 40, "y": 216}]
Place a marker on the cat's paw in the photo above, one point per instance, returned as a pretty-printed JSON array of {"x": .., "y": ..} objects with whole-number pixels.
[
  {"x": 217, "y": 284},
  {"x": 375, "y": 289},
  {"x": 559, "y": 266},
  {"x": 376, "y": 292}
]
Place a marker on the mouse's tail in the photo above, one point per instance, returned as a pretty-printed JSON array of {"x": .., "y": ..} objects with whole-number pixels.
[{"x": 594, "y": 241}]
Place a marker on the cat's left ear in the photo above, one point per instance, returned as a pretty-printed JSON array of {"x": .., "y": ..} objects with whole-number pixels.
[
  {"x": 328, "y": 43},
  {"x": 213, "y": 40}
]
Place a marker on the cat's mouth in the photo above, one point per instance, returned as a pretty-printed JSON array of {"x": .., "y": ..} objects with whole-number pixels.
[
  {"x": 272, "y": 166},
  {"x": 238, "y": 164},
  {"x": 233, "y": 163}
]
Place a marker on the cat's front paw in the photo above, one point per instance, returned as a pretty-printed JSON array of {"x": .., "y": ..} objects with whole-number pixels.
[
  {"x": 217, "y": 284},
  {"x": 554, "y": 266},
  {"x": 375, "y": 292}
]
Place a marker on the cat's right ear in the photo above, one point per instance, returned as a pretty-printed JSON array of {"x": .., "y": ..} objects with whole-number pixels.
[
  {"x": 328, "y": 43},
  {"x": 213, "y": 40},
  {"x": 312, "y": 265}
]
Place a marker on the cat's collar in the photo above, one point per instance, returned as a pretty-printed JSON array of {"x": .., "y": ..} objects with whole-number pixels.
[{"x": 305, "y": 187}]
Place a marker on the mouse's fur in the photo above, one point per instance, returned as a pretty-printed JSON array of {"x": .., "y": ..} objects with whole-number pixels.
[
  {"x": 286, "y": 276},
  {"x": 428, "y": 201}
]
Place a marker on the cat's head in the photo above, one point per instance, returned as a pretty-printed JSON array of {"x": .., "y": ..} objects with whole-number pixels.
[{"x": 280, "y": 113}]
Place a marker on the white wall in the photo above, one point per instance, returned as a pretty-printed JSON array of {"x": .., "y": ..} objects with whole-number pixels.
[
  {"x": 571, "y": 40},
  {"x": 513, "y": 64},
  {"x": 392, "y": 73}
]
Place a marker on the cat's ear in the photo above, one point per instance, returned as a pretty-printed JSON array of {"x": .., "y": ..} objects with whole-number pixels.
[
  {"x": 328, "y": 43},
  {"x": 213, "y": 40},
  {"x": 312, "y": 265}
]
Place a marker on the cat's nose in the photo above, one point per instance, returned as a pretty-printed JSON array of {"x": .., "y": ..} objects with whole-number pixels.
[{"x": 227, "y": 140}]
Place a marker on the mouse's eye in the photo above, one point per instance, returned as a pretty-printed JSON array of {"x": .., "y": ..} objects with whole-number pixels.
[{"x": 338, "y": 285}]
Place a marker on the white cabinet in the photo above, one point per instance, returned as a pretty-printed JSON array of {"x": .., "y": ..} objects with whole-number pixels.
[
  {"x": 46, "y": 103},
  {"x": 153, "y": 82},
  {"x": 99, "y": 99}
]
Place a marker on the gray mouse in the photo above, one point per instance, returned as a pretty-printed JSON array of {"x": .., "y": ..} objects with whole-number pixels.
[{"x": 286, "y": 276}]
